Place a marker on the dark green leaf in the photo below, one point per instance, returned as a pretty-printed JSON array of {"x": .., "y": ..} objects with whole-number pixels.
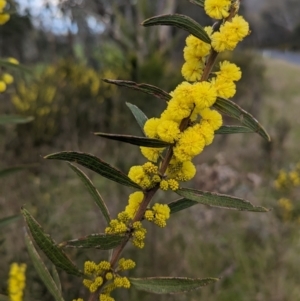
[
  {"x": 93, "y": 191},
  {"x": 198, "y": 2},
  {"x": 10, "y": 219},
  {"x": 181, "y": 21},
  {"x": 181, "y": 204},
  {"x": 140, "y": 141},
  {"x": 138, "y": 114},
  {"x": 145, "y": 88},
  {"x": 229, "y": 108},
  {"x": 166, "y": 285},
  {"x": 48, "y": 246},
  {"x": 42, "y": 270},
  {"x": 4, "y": 298},
  {"x": 233, "y": 129},
  {"x": 97, "y": 241},
  {"x": 13, "y": 119},
  {"x": 218, "y": 200},
  {"x": 95, "y": 164}
]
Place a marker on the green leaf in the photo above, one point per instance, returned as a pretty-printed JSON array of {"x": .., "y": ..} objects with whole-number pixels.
[
  {"x": 7, "y": 220},
  {"x": 4, "y": 298},
  {"x": 14, "y": 119},
  {"x": 140, "y": 141},
  {"x": 181, "y": 204},
  {"x": 180, "y": 21},
  {"x": 145, "y": 88},
  {"x": 231, "y": 109},
  {"x": 138, "y": 114},
  {"x": 7, "y": 171},
  {"x": 18, "y": 67},
  {"x": 95, "y": 164},
  {"x": 218, "y": 200},
  {"x": 48, "y": 246},
  {"x": 166, "y": 285},
  {"x": 42, "y": 270},
  {"x": 97, "y": 241},
  {"x": 93, "y": 191},
  {"x": 198, "y": 2},
  {"x": 233, "y": 129},
  {"x": 56, "y": 278}
]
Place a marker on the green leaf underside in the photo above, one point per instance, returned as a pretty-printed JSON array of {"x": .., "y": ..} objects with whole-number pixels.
[
  {"x": 198, "y": 2},
  {"x": 139, "y": 115},
  {"x": 4, "y": 298},
  {"x": 233, "y": 129},
  {"x": 180, "y": 21},
  {"x": 145, "y": 88},
  {"x": 42, "y": 270},
  {"x": 95, "y": 164},
  {"x": 14, "y": 119},
  {"x": 48, "y": 246},
  {"x": 93, "y": 191},
  {"x": 181, "y": 204},
  {"x": 9, "y": 219},
  {"x": 97, "y": 241},
  {"x": 231, "y": 109},
  {"x": 140, "y": 141},
  {"x": 219, "y": 200},
  {"x": 166, "y": 285}
]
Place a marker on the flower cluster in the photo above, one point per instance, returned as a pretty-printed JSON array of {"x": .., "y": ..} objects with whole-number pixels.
[
  {"x": 16, "y": 281},
  {"x": 6, "y": 78},
  {"x": 4, "y": 17},
  {"x": 102, "y": 274},
  {"x": 159, "y": 214},
  {"x": 288, "y": 179}
]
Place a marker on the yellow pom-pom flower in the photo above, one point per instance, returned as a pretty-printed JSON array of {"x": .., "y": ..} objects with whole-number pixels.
[
  {"x": 2, "y": 5},
  {"x": 168, "y": 131},
  {"x": 138, "y": 176},
  {"x": 196, "y": 48},
  {"x": 161, "y": 214},
  {"x": 224, "y": 88},
  {"x": 105, "y": 297},
  {"x": 229, "y": 71},
  {"x": 239, "y": 27},
  {"x": 7, "y": 78},
  {"x": 134, "y": 202},
  {"x": 126, "y": 264},
  {"x": 173, "y": 184},
  {"x": 192, "y": 70},
  {"x": 149, "y": 215},
  {"x": 217, "y": 9},
  {"x": 213, "y": 117},
  {"x": 206, "y": 130},
  {"x": 164, "y": 185},
  {"x": 150, "y": 127},
  {"x": 4, "y": 18},
  {"x": 204, "y": 94},
  {"x": 152, "y": 154},
  {"x": 2, "y": 86},
  {"x": 181, "y": 171},
  {"x": 190, "y": 144},
  {"x": 16, "y": 281},
  {"x": 12, "y": 60}
]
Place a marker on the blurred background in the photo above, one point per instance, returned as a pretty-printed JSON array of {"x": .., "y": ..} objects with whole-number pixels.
[{"x": 70, "y": 46}]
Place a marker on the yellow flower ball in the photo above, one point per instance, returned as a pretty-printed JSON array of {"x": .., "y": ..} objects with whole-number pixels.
[{"x": 217, "y": 9}]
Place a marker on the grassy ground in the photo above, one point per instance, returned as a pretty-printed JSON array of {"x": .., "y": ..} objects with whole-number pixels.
[{"x": 256, "y": 255}]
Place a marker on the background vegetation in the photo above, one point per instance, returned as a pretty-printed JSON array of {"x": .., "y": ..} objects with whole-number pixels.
[{"x": 257, "y": 255}]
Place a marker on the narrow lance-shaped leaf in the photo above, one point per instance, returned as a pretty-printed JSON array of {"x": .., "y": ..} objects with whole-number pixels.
[
  {"x": 135, "y": 140},
  {"x": 97, "y": 241},
  {"x": 198, "y": 2},
  {"x": 139, "y": 115},
  {"x": 48, "y": 246},
  {"x": 181, "y": 204},
  {"x": 180, "y": 21},
  {"x": 9, "y": 219},
  {"x": 145, "y": 88},
  {"x": 231, "y": 109},
  {"x": 93, "y": 191},
  {"x": 233, "y": 129},
  {"x": 14, "y": 119},
  {"x": 42, "y": 270},
  {"x": 95, "y": 164},
  {"x": 166, "y": 285},
  {"x": 56, "y": 278},
  {"x": 218, "y": 200}
]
